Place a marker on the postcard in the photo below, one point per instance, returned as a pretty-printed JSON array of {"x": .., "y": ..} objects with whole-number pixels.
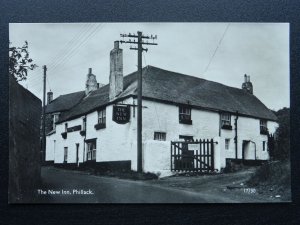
[{"x": 149, "y": 113}]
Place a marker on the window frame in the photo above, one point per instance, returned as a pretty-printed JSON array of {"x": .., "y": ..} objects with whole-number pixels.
[
  {"x": 160, "y": 136},
  {"x": 65, "y": 154},
  {"x": 263, "y": 127},
  {"x": 186, "y": 137},
  {"x": 84, "y": 124},
  {"x": 101, "y": 116},
  {"x": 225, "y": 120},
  {"x": 185, "y": 114},
  {"x": 264, "y": 146},
  {"x": 91, "y": 152},
  {"x": 227, "y": 143}
]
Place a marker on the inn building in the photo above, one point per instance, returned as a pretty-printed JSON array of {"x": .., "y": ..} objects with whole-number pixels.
[{"x": 189, "y": 123}]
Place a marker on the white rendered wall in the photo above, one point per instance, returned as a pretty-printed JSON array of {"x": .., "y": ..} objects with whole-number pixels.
[
  {"x": 161, "y": 117},
  {"x": 117, "y": 142}
]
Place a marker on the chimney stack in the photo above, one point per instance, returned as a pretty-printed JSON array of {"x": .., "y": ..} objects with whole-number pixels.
[
  {"x": 91, "y": 82},
  {"x": 49, "y": 97},
  {"x": 247, "y": 85},
  {"x": 116, "y": 71}
]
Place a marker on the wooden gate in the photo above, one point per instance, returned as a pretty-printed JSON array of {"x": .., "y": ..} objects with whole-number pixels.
[{"x": 195, "y": 156}]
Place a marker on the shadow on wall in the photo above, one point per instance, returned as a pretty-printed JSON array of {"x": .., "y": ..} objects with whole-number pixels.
[{"x": 24, "y": 143}]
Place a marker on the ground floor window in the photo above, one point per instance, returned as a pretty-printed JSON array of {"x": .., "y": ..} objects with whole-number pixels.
[
  {"x": 227, "y": 143},
  {"x": 65, "y": 154},
  {"x": 186, "y": 137},
  {"x": 264, "y": 145},
  {"x": 91, "y": 150},
  {"x": 160, "y": 136}
]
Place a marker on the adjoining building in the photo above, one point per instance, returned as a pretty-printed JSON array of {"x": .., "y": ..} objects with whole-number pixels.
[{"x": 98, "y": 126}]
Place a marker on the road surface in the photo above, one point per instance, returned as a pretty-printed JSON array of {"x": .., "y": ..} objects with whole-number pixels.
[{"x": 65, "y": 186}]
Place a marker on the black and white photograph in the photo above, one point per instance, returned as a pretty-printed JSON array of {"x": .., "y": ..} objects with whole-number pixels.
[{"x": 149, "y": 112}]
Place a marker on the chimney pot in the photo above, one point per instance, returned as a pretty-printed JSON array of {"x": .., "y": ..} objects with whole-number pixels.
[
  {"x": 116, "y": 45},
  {"x": 49, "y": 97},
  {"x": 90, "y": 70}
]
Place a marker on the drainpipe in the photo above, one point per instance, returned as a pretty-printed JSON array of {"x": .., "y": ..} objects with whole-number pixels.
[
  {"x": 84, "y": 139},
  {"x": 236, "y": 134}
]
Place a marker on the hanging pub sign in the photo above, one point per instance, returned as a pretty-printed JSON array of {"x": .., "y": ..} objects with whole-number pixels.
[{"x": 121, "y": 114}]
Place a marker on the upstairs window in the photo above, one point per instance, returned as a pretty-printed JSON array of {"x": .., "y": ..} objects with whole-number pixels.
[
  {"x": 263, "y": 127},
  {"x": 84, "y": 124},
  {"x": 185, "y": 115},
  {"x": 54, "y": 119},
  {"x": 160, "y": 136},
  {"x": 226, "y": 121},
  {"x": 102, "y": 116},
  {"x": 101, "y": 120}
]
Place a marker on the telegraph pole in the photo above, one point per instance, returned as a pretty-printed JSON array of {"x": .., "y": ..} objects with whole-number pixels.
[
  {"x": 44, "y": 114},
  {"x": 139, "y": 42}
]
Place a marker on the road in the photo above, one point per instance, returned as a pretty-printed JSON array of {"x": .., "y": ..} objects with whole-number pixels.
[{"x": 69, "y": 185}]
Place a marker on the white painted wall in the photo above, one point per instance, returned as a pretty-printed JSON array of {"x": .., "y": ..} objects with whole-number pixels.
[
  {"x": 157, "y": 158},
  {"x": 164, "y": 118},
  {"x": 118, "y": 141}
]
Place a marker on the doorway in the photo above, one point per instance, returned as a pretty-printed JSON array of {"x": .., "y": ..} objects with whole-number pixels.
[{"x": 77, "y": 155}]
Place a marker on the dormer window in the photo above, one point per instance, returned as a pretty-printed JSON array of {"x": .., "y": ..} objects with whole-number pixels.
[
  {"x": 185, "y": 115},
  {"x": 226, "y": 121},
  {"x": 263, "y": 127}
]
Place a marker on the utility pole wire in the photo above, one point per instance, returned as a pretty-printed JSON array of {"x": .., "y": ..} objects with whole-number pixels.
[
  {"x": 68, "y": 47},
  {"x": 71, "y": 54},
  {"x": 72, "y": 51},
  {"x": 220, "y": 41}
]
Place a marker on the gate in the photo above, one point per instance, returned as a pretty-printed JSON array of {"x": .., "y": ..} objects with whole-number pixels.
[{"x": 195, "y": 156}]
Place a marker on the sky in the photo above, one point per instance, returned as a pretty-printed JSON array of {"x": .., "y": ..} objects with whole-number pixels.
[{"x": 221, "y": 52}]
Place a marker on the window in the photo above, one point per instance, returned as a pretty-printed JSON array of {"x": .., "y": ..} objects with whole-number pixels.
[
  {"x": 160, "y": 136},
  {"x": 91, "y": 150},
  {"x": 102, "y": 116},
  {"x": 54, "y": 119},
  {"x": 84, "y": 124},
  {"x": 227, "y": 143},
  {"x": 186, "y": 137},
  {"x": 263, "y": 127},
  {"x": 226, "y": 121},
  {"x": 65, "y": 154},
  {"x": 264, "y": 145},
  {"x": 185, "y": 115}
]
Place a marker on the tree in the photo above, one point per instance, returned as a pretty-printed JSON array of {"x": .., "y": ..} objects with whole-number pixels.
[
  {"x": 20, "y": 62},
  {"x": 282, "y": 135}
]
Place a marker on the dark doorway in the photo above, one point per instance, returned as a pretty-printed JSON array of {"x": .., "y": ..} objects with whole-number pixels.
[{"x": 77, "y": 155}]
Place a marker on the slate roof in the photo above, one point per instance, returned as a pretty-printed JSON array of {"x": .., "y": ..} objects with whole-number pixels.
[
  {"x": 65, "y": 102},
  {"x": 176, "y": 88}
]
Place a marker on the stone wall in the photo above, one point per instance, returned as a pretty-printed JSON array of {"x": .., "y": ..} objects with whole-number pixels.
[{"x": 24, "y": 140}]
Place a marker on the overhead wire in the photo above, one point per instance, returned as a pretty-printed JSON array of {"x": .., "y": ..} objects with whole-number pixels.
[{"x": 216, "y": 49}]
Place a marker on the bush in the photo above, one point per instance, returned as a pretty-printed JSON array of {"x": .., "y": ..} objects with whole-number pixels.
[{"x": 282, "y": 136}]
